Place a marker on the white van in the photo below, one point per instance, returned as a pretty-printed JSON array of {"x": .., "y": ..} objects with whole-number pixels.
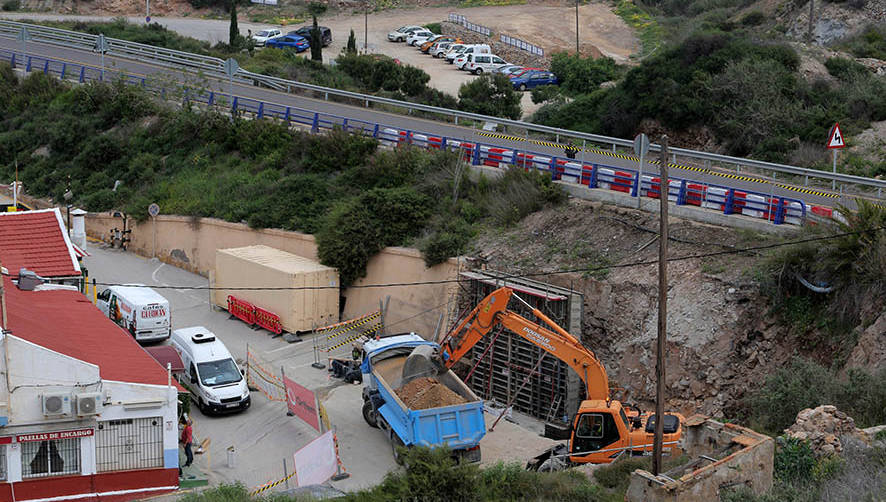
[
  {"x": 479, "y": 63},
  {"x": 211, "y": 374},
  {"x": 139, "y": 309}
]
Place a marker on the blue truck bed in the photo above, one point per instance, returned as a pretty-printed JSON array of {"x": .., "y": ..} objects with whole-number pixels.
[{"x": 460, "y": 426}]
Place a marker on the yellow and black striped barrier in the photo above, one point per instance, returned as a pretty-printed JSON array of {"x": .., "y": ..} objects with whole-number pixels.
[
  {"x": 354, "y": 337},
  {"x": 353, "y": 325},
  {"x": 268, "y": 486}
]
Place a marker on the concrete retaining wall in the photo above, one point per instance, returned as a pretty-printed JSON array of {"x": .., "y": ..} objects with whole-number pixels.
[{"x": 190, "y": 243}]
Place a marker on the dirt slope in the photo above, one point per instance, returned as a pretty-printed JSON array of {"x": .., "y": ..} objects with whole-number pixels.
[{"x": 720, "y": 341}]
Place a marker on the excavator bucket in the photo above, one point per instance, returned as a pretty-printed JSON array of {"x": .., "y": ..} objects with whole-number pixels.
[{"x": 422, "y": 362}]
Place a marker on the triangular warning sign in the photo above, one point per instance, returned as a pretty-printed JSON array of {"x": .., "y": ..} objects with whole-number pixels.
[{"x": 836, "y": 137}]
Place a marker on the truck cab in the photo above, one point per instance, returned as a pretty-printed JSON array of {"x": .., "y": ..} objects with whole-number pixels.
[{"x": 603, "y": 430}]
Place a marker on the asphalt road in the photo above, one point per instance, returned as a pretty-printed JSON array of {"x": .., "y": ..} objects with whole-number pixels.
[{"x": 406, "y": 122}]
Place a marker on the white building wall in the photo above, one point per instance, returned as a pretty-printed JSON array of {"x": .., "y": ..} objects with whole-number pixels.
[{"x": 24, "y": 369}]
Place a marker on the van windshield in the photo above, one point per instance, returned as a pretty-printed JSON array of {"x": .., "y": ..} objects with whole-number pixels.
[{"x": 219, "y": 372}]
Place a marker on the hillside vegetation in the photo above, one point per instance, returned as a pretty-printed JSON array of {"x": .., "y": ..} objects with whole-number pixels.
[{"x": 356, "y": 198}]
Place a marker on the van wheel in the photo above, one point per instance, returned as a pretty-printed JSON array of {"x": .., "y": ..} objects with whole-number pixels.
[
  {"x": 478, "y": 71},
  {"x": 370, "y": 415},
  {"x": 202, "y": 407},
  {"x": 522, "y": 87}
]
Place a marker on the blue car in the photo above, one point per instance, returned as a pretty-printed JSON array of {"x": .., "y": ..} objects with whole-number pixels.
[
  {"x": 299, "y": 43},
  {"x": 533, "y": 78}
]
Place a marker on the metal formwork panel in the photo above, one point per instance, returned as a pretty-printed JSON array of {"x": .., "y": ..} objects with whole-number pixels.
[{"x": 511, "y": 359}]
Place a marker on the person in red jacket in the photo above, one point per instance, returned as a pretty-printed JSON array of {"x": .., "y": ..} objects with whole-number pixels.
[{"x": 186, "y": 439}]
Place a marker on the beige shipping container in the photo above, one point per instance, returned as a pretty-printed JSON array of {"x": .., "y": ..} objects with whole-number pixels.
[{"x": 267, "y": 267}]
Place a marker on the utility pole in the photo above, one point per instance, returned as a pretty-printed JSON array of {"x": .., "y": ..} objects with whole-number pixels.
[
  {"x": 811, "y": 16},
  {"x": 576, "y": 28},
  {"x": 662, "y": 308},
  {"x": 365, "y": 26}
]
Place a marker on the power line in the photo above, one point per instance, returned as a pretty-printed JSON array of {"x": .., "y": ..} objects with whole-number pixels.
[{"x": 514, "y": 276}]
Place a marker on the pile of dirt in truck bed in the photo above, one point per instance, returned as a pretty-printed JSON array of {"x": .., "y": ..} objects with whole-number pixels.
[{"x": 424, "y": 393}]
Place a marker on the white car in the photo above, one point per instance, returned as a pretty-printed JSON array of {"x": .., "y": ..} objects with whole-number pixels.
[
  {"x": 400, "y": 34},
  {"x": 454, "y": 51},
  {"x": 480, "y": 63},
  {"x": 460, "y": 60},
  {"x": 419, "y": 37},
  {"x": 440, "y": 49},
  {"x": 264, "y": 35}
]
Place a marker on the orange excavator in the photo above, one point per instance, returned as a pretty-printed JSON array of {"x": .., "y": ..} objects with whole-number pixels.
[{"x": 602, "y": 429}]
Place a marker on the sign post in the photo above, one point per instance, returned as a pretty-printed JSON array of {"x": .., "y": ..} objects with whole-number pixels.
[
  {"x": 101, "y": 46},
  {"x": 641, "y": 148},
  {"x": 153, "y": 211},
  {"x": 835, "y": 142},
  {"x": 231, "y": 67},
  {"x": 23, "y": 36}
]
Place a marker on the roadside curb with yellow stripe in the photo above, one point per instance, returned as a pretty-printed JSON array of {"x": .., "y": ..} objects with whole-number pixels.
[{"x": 633, "y": 158}]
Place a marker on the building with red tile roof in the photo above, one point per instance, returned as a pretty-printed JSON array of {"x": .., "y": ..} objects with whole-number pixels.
[
  {"x": 87, "y": 413},
  {"x": 38, "y": 241}
]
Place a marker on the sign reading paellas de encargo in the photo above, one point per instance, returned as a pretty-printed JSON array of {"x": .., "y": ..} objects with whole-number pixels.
[{"x": 47, "y": 436}]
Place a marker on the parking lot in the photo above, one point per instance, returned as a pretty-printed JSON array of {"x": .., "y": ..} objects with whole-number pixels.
[{"x": 263, "y": 436}]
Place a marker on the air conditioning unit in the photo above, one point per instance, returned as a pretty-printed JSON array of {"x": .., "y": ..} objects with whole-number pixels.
[
  {"x": 57, "y": 404},
  {"x": 89, "y": 403}
]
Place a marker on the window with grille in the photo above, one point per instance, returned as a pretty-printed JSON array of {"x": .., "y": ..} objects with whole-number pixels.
[
  {"x": 132, "y": 443},
  {"x": 55, "y": 457},
  {"x": 3, "y": 462}
]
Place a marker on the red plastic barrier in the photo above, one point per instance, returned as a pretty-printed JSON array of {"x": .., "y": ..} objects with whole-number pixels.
[
  {"x": 242, "y": 310},
  {"x": 586, "y": 171},
  {"x": 495, "y": 156},
  {"x": 268, "y": 320},
  {"x": 695, "y": 194},
  {"x": 654, "y": 190},
  {"x": 738, "y": 201},
  {"x": 823, "y": 211},
  {"x": 435, "y": 142},
  {"x": 623, "y": 182}
]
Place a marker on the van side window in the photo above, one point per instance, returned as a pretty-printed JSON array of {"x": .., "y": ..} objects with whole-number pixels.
[
  {"x": 192, "y": 370},
  {"x": 104, "y": 295}
]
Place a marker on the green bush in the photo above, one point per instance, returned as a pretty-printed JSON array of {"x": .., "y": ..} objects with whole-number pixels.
[
  {"x": 9, "y": 5},
  {"x": 583, "y": 75},
  {"x": 490, "y": 95},
  {"x": 434, "y": 28},
  {"x": 870, "y": 43},
  {"x": 794, "y": 460}
]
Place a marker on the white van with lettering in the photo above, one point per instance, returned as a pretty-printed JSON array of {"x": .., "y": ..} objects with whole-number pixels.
[
  {"x": 211, "y": 374},
  {"x": 139, "y": 309}
]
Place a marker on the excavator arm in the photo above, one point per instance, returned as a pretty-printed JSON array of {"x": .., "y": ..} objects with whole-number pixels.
[{"x": 493, "y": 310}]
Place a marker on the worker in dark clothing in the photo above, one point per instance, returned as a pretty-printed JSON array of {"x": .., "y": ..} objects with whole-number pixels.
[{"x": 571, "y": 150}]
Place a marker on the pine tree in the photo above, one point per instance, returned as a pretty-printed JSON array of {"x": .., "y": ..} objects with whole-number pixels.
[
  {"x": 234, "y": 31},
  {"x": 352, "y": 43},
  {"x": 316, "y": 43}
]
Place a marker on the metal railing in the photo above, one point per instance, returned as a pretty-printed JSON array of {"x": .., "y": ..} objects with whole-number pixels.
[
  {"x": 521, "y": 44},
  {"x": 213, "y": 66},
  {"x": 463, "y": 21}
]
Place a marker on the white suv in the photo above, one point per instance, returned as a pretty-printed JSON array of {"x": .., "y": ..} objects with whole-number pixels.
[{"x": 479, "y": 63}]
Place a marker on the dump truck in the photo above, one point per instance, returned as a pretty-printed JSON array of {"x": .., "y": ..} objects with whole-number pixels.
[{"x": 395, "y": 364}]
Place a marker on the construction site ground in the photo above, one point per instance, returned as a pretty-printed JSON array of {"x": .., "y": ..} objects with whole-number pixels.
[{"x": 264, "y": 436}]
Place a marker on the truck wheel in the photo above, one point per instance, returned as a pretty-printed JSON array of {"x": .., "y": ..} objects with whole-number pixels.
[
  {"x": 551, "y": 465},
  {"x": 370, "y": 415}
]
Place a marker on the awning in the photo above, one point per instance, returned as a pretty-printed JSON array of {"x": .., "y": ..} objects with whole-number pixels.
[{"x": 164, "y": 354}]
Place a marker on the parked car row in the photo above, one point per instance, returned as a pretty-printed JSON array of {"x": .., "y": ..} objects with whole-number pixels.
[
  {"x": 299, "y": 40},
  {"x": 475, "y": 58}
]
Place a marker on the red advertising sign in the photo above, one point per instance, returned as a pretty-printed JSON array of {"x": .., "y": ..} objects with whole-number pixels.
[
  {"x": 302, "y": 403},
  {"x": 48, "y": 436}
]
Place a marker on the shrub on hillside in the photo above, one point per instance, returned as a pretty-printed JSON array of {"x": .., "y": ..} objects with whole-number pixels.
[
  {"x": 580, "y": 75},
  {"x": 490, "y": 95}
]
